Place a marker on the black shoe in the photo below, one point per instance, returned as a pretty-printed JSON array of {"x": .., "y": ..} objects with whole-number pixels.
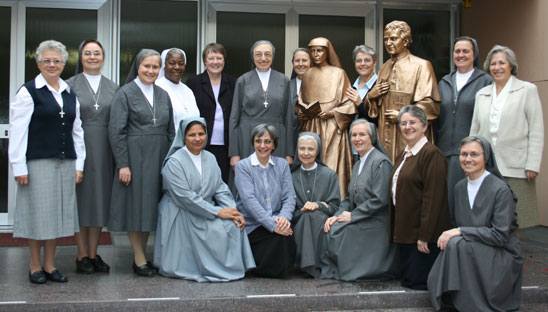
[
  {"x": 144, "y": 270},
  {"x": 84, "y": 266},
  {"x": 99, "y": 265},
  {"x": 38, "y": 277},
  {"x": 56, "y": 276},
  {"x": 155, "y": 268}
]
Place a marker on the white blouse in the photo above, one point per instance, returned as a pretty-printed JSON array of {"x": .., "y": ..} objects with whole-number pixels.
[
  {"x": 94, "y": 81},
  {"x": 497, "y": 105},
  {"x": 196, "y": 159},
  {"x": 148, "y": 91},
  {"x": 182, "y": 100},
  {"x": 474, "y": 186},
  {"x": 21, "y": 110}
]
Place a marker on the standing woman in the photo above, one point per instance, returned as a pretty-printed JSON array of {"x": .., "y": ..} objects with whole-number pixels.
[
  {"x": 301, "y": 62},
  {"x": 47, "y": 155},
  {"x": 261, "y": 96},
  {"x": 418, "y": 200},
  {"x": 140, "y": 131},
  {"x": 365, "y": 61},
  {"x": 458, "y": 94},
  {"x": 214, "y": 91},
  {"x": 95, "y": 93},
  {"x": 169, "y": 79},
  {"x": 508, "y": 114},
  {"x": 318, "y": 197}
]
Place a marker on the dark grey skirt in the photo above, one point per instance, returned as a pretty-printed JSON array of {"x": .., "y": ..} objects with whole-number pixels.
[{"x": 46, "y": 207}]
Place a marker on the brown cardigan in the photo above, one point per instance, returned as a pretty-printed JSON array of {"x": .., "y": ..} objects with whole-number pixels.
[{"x": 421, "y": 211}]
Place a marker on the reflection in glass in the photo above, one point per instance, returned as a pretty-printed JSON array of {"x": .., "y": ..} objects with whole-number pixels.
[
  {"x": 158, "y": 25},
  {"x": 431, "y": 37},
  {"x": 344, "y": 32},
  {"x": 5, "y": 28},
  {"x": 67, "y": 26},
  {"x": 239, "y": 31}
]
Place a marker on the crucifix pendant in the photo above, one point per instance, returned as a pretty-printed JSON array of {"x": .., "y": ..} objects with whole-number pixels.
[
  {"x": 96, "y": 106},
  {"x": 62, "y": 114},
  {"x": 265, "y": 104},
  {"x": 154, "y": 120}
]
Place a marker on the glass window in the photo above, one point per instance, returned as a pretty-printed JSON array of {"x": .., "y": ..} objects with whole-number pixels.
[
  {"x": 158, "y": 25},
  {"x": 68, "y": 26},
  {"x": 430, "y": 31},
  {"x": 5, "y": 29},
  {"x": 344, "y": 32},
  {"x": 239, "y": 31}
]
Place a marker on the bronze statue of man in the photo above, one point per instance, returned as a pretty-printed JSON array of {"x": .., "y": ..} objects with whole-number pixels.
[
  {"x": 402, "y": 80},
  {"x": 324, "y": 108}
]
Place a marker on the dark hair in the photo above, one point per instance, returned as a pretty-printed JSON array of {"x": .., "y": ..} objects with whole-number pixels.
[
  {"x": 192, "y": 123},
  {"x": 261, "y": 129},
  {"x": 93, "y": 41},
  {"x": 415, "y": 111},
  {"x": 213, "y": 47},
  {"x": 293, "y": 73}
]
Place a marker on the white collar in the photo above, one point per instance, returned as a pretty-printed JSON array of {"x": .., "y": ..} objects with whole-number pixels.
[
  {"x": 255, "y": 161},
  {"x": 314, "y": 166},
  {"x": 368, "y": 84},
  {"x": 40, "y": 82},
  {"x": 143, "y": 86},
  {"x": 418, "y": 146}
]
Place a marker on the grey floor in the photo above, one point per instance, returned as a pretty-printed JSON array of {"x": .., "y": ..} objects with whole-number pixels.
[{"x": 123, "y": 290}]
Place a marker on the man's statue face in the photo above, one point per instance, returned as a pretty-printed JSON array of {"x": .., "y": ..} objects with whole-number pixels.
[
  {"x": 319, "y": 55},
  {"x": 393, "y": 42}
]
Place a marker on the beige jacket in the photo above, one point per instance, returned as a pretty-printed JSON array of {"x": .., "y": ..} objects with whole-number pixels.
[{"x": 520, "y": 138}]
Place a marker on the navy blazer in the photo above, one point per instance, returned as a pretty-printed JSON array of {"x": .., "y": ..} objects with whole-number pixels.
[{"x": 201, "y": 87}]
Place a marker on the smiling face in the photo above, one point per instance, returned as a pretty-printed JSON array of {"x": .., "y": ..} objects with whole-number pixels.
[
  {"x": 319, "y": 55},
  {"x": 195, "y": 138},
  {"x": 307, "y": 152},
  {"x": 393, "y": 42},
  {"x": 92, "y": 58},
  {"x": 262, "y": 56},
  {"x": 149, "y": 69},
  {"x": 361, "y": 141},
  {"x": 175, "y": 67},
  {"x": 301, "y": 62},
  {"x": 365, "y": 65},
  {"x": 263, "y": 145},
  {"x": 412, "y": 129},
  {"x": 463, "y": 56},
  {"x": 214, "y": 63},
  {"x": 472, "y": 159},
  {"x": 500, "y": 68},
  {"x": 51, "y": 65}
]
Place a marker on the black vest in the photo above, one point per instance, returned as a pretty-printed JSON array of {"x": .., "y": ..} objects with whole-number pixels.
[{"x": 50, "y": 136}]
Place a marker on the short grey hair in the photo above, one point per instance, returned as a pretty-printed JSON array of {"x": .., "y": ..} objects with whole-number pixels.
[
  {"x": 470, "y": 139},
  {"x": 263, "y": 42},
  {"x": 364, "y": 49},
  {"x": 307, "y": 137},
  {"x": 361, "y": 121},
  {"x": 299, "y": 50},
  {"x": 51, "y": 45},
  {"x": 176, "y": 51},
  {"x": 261, "y": 129},
  {"x": 510, "y": 55},
  {"x": 415, "y": 111}
]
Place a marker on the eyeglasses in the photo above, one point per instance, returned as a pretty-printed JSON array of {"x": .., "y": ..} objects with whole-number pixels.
[
  {"x": 411, "y": 123},
  {"x": 54, "y": 61},
  {"x": 260, "y": 141},
  {"x": 266, "y": 54},
  {"x": 96, "y": 53},
  {"x": 473, "y": 155}
]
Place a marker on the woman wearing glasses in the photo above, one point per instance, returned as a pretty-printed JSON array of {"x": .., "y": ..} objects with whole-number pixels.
[{"x": 47, "y": 155}]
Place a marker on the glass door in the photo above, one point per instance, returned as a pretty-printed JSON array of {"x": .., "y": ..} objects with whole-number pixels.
[{"x": 23, "y": 25}]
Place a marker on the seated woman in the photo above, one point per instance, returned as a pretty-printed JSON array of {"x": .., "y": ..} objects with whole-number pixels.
[
  {"x": 480, "y": 266},
  {"x": 266, "y": 198},
  {"x": 318, "y": 197},
  {"x": 356, "y": 244},
  {"x": 199, "y": 234}
]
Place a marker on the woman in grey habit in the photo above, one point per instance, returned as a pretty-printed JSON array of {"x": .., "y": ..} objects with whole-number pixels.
[
  {"x": 356, "y": 241},
  {"x": 95, "y": 93},
  {"x": 200, "y": 234},
  {"x": 261, "y": 96},
  {"x": 318, "y": 197},
  {"x": 140, "y": 131},
  {"x": 480, "y": 266}
]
